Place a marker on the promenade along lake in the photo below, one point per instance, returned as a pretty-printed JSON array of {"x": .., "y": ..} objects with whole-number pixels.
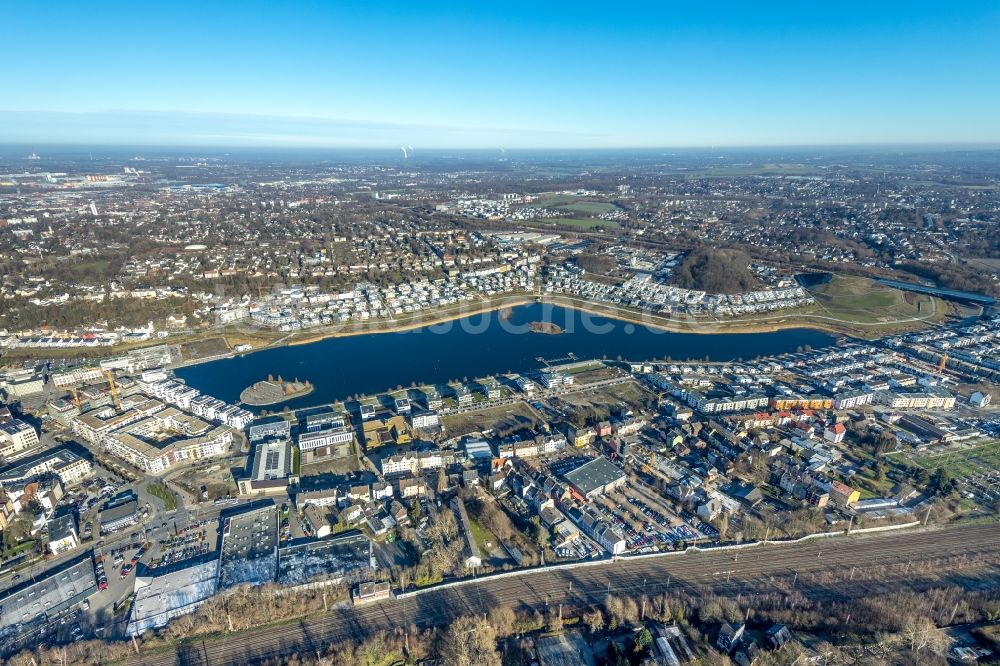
[{"x": 476, "y": 346}]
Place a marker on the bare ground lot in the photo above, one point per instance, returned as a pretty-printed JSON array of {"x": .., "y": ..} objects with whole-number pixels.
[
  {"x": 596, "y": 374},
  {"x": 217, "y": 478},
  {"x": 505, "y": 417},
  {"x": 207, "y": 348},
  {"x": 627, "y": 393},
  {"x": 341, "y": 466}
]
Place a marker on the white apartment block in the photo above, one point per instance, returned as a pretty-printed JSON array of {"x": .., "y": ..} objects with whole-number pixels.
[
  {"x": 78, "y": 376},
  {"x": 16, "y": 436},
  {"x": 425, "y": 420}
]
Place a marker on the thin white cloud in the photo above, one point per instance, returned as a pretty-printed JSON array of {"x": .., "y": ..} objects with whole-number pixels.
[{"x": 219, "y": 129}]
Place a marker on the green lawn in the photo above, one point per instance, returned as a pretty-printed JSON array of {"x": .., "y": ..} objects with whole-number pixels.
[
  {"x": 962, "y": 463},
  {"x": 582, "y": 223},
  {"x": 587, "y": 207},
  {"x": 163, "y": 493},
  {"x": 571, "y": 204},
  {"x": 17, "y": 549},
  {"x": 94, "y": 267},
  {"x": 553, "y": 201},
  {"x": 481, "y": 535},
  {"x": 858, "y": 299}
]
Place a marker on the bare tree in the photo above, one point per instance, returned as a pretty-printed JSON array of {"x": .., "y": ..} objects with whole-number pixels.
[
  {"x": 921, "y": 635},
  {"x": 470, "y": 641}
]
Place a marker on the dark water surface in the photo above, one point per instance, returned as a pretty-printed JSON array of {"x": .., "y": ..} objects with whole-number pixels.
[{"x": 473, "y": 347}]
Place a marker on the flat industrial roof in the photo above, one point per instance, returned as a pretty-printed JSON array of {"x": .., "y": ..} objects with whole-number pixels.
[
  {"x": 595, "y": 474},
  {"x": 49, "y": 593},
  {"x": 331, "y": 557},
  {"x": 160, "y": 598},
  {"x": 119, "y": 511},
  {"x": 249, "y": 547},
  {"x": 272, "y": 461}
]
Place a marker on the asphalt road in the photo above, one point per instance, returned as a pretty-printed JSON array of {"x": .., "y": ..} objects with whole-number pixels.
[{"x": 753, "y": 570}]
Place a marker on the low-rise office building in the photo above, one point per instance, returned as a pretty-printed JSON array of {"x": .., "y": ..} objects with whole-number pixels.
[
  {"x": 326, "y": 442},
  {"x": 63, "y": 533},
  {"x": 271, "y": 470},
  {"x": 119, "y": 516}
]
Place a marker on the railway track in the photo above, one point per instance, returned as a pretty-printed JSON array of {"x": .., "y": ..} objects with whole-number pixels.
[{"x": 806, "y": 566}]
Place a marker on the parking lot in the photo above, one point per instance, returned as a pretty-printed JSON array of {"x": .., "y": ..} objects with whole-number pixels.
[
  {"x": 581, "y": 549},
  {"x": 188, "y": 542},
  {"x": 645, "y": 521}
]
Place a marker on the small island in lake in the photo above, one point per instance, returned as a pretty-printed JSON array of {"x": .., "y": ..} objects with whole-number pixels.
[
  {"x": 548, "y": 328},
  {"x": 274, "y": 390}
]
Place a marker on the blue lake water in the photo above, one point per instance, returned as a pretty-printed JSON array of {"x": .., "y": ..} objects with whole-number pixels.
[{"x": 475, "y": 346}]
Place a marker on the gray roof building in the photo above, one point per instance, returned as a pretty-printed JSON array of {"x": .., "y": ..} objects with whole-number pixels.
[{"x": 596, "y": 477}]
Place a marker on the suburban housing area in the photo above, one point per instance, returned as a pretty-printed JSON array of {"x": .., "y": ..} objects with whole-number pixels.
[{"x": 812, "y": 478}]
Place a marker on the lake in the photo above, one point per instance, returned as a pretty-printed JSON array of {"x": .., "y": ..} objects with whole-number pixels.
[{"x": 476, "y": 346}]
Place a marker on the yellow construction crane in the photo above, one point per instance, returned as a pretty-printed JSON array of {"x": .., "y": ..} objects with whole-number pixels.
[
  {"x": 114, "y": 389},
  {"x": 76, "y": 396},
  {"x": 943, "y": 362}
]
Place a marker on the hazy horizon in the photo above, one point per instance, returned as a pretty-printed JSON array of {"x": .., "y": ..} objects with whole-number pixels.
[
  {"x": 417, "y": 151},
  {"x": 455, "y": 75}
]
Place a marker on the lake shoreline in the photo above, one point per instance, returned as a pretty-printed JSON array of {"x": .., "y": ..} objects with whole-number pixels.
[
  {"x": 480, "y": 346},
  {"x": 658, "y": 322}
]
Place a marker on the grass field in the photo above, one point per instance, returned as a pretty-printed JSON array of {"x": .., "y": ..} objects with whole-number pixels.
[
  {"x": 163, "y": 493},
  {"x": 588, "y": 207},
  {"x": 963, "y": 462},
  {"x": 573, "y": 204},
  {"x": 594, "y": 374},
  {"x": 206, "y": 348},
  {"x": 95, "y": 267},
  {"x": 481, "y": 535},
  {"x": 582, "y": 223},
  {"x": 855, "y": 299}
]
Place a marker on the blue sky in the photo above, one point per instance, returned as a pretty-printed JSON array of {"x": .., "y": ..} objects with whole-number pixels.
[{"x": 486, "y": 74}]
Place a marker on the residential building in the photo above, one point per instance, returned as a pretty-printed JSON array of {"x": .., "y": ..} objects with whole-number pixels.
[
  {"x": 842, "y": 494},
  {"x": 63, "y": 534},
  {"x": 328, "y": 441},
  {"x": 70, "y": 467},
  {"x": 16, "y": 436},
  {"x": 835, "y": 433}
]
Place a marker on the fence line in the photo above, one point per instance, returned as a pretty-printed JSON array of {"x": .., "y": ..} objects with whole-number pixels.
[{"x": 675, "y": 553}]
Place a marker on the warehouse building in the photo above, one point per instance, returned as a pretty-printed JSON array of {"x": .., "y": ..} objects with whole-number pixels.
[{"x": 595, "y": 478}]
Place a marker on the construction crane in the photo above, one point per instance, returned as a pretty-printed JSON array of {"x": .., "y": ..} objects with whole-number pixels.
[
  {"x": 76, "y": 396},
  {"x": 943, "y": 362},
  {"x": 114, "y": 389}
]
